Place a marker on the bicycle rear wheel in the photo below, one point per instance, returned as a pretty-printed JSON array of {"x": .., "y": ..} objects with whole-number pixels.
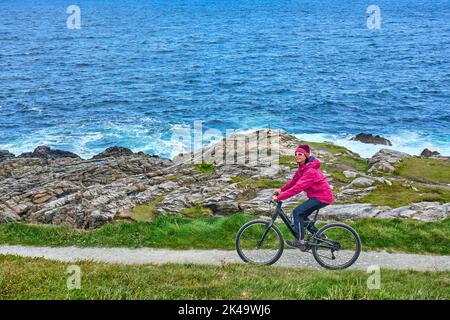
[
  {"x": 258, "y": 243},
  {"x": 336, "y": 246}
]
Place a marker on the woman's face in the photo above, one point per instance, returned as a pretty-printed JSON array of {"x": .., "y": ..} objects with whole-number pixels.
[{"x": 300, "y": 157}]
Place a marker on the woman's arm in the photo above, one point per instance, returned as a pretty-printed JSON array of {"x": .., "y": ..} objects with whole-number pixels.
[
  {"x": 290, "y": 183},
  {"x": 303, "y": 183}
]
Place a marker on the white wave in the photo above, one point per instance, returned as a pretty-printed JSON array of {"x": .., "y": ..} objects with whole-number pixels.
[
  {"x": 80, "y": 144},
  {"x": 406, "y": 141},
  {"x": 148, "y": 119},
  {"x": 155, "y": 139},
  {"x": 29, "y": 143}
]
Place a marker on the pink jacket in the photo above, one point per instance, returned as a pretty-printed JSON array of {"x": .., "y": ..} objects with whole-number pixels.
[{"x": 310, "y": 179}]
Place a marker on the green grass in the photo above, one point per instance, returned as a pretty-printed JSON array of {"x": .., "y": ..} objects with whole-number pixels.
[
  {"x": 335, "y": 173},
  {"x": 425, "y": 170},
  {"x": 287, "y": 161},
  {"x": 328, "y": 146},
  {"x": 400, "y": 194},
  {"x": 165, "y": 231},
  {"x": 27, "y": 278},
  {"x": 205, "y": 168},
  {"x": 219, "y": 233},
  {"x": 354, "y": 162},
  {"x": 405, "y": 235},
  {"x": 260, "y": 183}
]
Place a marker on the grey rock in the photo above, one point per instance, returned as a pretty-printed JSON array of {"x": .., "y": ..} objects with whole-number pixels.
[
  {"x": 114, "y": 152},
  {"x": 361, "y": 182},
  {"x": 220, "y": 207},
  {"x": 5, "y": 155},
  {"x": 57, "y": 189},
  {"x": 260, "y": 205},
  {"x": 423, "y": 211},
  {"x": 383, "y": 180},
  {"x": 47, "y": 153},
  {"x": 357, "y": 211},
  {"x": 430, "y": 211},
  {"x": 369, "y": 138},
  {"x": 8, "y": 215},
  {"x": 350, "y": 174},
  {"x": 357, "y": 193},
  {"x": 384, "y": 159},
  {"x": 387, "y": 155},
  {"x": 83, "y": 193},
  {"x": 382, "y": 166},
  {"x": 428, "y": 153},
  {"x": 255, "y": 148}
]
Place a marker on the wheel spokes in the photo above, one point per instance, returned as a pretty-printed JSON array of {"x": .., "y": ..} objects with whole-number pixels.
[
  {"x": 259, "y": 244},
  {"x": 338, "y": 246}
]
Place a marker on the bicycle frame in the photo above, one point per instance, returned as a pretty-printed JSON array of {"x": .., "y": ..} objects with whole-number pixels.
[{"x": 329, "y": 244}]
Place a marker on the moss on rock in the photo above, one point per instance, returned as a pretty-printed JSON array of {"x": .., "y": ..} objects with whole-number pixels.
[
  {"x": 146, "y": 212},
  {"x": 205, "y": 168},
  {"x": 196, "y": 211}
]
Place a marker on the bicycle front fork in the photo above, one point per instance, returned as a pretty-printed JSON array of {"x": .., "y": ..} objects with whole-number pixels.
[{"x": 261, "y": 241}]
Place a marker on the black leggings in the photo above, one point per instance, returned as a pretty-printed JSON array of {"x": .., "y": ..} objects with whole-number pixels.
[{"x": 301, "y": 214}]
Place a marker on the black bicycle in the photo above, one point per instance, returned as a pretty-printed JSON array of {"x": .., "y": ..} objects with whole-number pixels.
[{"x": 334, "y": 246}]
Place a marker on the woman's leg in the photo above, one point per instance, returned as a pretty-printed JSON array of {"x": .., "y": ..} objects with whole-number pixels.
[
  {"x": 306, "y": 221},
  {"x": 302, "y": 212}
]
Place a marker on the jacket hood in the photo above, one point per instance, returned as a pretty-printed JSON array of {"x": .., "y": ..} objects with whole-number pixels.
[{"x": 311, "y": 162}]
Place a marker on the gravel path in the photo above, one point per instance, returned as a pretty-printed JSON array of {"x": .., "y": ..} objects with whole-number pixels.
[{"x": 290, "y": 258}]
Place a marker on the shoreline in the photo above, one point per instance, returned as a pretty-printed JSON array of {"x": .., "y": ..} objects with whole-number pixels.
[
  {"x": 55, "y": 187},
  {"x": 364, "y": 150}
]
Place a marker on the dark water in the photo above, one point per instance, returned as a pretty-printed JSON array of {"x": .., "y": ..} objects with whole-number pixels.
[{"x": 138, "y": 69}]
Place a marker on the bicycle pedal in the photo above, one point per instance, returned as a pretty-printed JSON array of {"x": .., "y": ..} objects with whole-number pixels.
[{"x": 306, "y": 248}]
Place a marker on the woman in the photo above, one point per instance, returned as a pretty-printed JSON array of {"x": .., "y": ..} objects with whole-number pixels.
[{"x": 310, "y": 179}]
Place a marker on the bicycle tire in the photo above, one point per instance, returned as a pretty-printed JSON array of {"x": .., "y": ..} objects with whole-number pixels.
[
  {"x": 351, "y": 261},
  {"x": 248, "y": 225}
]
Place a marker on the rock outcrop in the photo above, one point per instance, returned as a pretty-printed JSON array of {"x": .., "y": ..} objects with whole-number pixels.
[
  {"x": 45, "y": 152},
  {"x": 423, "y": 211},
  {"x": 371, "y": 139},
  {"x": 426, "y": 153},
  {"x": 350, "y": 174},
  {"x": 361, "y": 182},
  {"x": 258, "y": 147},
  {"x": 83, "y": 193},
  {"x": 384, "y": 160},
  {"x": 58, "y": 187},
  {"x": 5, "y": 155},
  {"x": 113, "y": 152}
]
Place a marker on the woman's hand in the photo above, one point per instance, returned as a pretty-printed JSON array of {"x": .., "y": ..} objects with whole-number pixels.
[
  {"x": 274, "y": 199},
  {"x": 276, "y": 192}
]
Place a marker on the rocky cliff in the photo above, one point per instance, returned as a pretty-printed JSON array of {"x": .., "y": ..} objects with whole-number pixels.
[{"x": 52, "y": 186}]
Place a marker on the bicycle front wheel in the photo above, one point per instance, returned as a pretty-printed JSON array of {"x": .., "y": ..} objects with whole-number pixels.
[
  {"x": 259, "y": 242},
  {"x": 336, "y": 246}
]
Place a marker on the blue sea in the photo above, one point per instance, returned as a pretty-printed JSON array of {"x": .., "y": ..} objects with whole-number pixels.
[{"x": 137, "y": 70}]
